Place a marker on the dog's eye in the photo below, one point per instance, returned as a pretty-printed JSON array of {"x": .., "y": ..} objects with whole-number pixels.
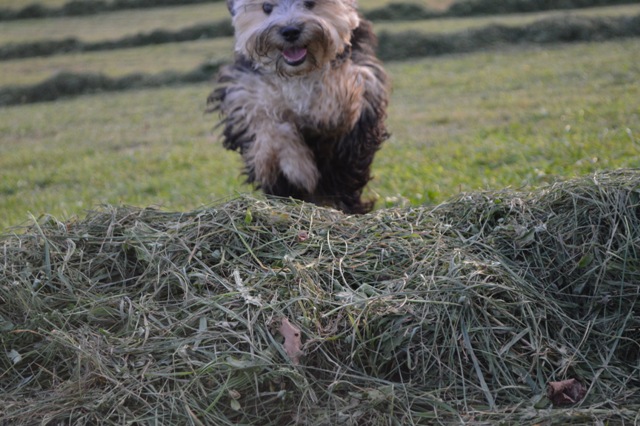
[
  {"x": 267, "y": 8},
  {"x": 309, "y": 4}
]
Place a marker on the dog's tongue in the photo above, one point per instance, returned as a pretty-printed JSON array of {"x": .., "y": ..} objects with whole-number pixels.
[{"x": 294, "y": 54}]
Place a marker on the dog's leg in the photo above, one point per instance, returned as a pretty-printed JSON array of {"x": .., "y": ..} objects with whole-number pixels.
[
  {"x": 276, "y": 158},
  {"x": 345, "y": 176},
  {"x": 279, "y": 148}
]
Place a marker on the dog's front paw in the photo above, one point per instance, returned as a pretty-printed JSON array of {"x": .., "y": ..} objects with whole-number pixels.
[
  {"x": 277, "y": 150},
  {"x": 299, "y": 167}
]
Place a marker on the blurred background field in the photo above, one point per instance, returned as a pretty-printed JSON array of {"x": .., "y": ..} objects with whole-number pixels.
[{"x": 517, "y": 115}]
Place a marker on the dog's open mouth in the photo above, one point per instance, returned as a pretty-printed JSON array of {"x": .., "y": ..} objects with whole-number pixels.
[{"x": 294, "y": 55}]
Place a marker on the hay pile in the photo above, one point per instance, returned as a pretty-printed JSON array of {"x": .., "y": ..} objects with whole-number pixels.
[{"x": 461, "y": 312}]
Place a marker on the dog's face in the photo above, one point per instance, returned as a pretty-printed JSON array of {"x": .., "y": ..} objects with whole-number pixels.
[{"x": 292, "y": 37}]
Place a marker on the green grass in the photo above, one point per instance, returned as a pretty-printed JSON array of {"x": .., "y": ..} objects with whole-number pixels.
[
  {"x": 180, "y": 57},
  {"x": 19, "y": 4},
  {"x": 365, "y": 4},
  {"x": 146, "y": 147},
  {"x": 484, "y": 120},
  {"x": 459, "y": 24},
  {"x": 432, "y": 4},
  {"x": 188, "y": 55},
  {"x": 516, "y": 118},
  {"x": 108, "y": 26}
]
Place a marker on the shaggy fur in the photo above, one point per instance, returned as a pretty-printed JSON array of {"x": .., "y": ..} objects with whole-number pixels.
[{"x": 304, "y": 102}]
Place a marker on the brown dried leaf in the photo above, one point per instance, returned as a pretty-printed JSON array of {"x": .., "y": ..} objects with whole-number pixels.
[
  {"x": 292, "y": 340},
  {"x": 566, "y": 392}
]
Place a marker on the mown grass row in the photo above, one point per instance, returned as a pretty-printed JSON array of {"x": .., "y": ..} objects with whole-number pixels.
[
  {"x": 394, "y": 11},
  {"x": 55, "y": 47},
  {"x": 223, "y": 28},
  {"x": 112, "y": 26},
  {"x": 185, "y": 56},
  {"x": 451, "y": 25},
  {"x": 396, "y": 46},
  {"x": 88, "y": 7},
  {"x": 120, "y": 25},
  {"x": 68, "y": 84},
  {"x": 467, "y": 8},
  {"x": 553, "y": 30},
  {"x": 172, "y": 57},
  {"x": 494, "y": 7}
]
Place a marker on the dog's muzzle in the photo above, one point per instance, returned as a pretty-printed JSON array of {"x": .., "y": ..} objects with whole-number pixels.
[{"x": 293, "y": 55}]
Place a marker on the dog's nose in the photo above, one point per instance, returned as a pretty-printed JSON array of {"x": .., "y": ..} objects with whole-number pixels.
[{"x": 291, "y": 33}]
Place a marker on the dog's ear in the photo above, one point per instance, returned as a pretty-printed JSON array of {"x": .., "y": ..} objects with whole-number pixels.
[{"x": 230, "y": 7}]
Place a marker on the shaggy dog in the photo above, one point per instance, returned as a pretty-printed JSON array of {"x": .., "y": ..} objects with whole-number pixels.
[{"x": 304, "y": 102}]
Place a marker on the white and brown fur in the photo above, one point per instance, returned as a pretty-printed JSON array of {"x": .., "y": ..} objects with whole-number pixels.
[{"x": 304, "y": 102}]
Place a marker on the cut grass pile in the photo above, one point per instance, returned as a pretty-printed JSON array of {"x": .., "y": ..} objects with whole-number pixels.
[{"x": 461, "y": 312}]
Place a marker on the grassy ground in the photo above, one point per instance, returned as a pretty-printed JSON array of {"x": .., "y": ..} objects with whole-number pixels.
[
  {"x": 114, "y": 25},
  {"x": 432, "y": 4},
  {"x": 485, "y": 120},
  {"x": 186, "y": 56},
  {"x": 142, "y": 147},
  {"x": 127, "y": 22},
  {"x": 407, "y": 316},
  {"x": 18, "y": 4},
  {"x": 458, "y": 24},
  {"x": 106, "y": 26},
  {"x": 365, "y": 4},
  {"x": 522, "y": 117},
  {"x": 115, "y": 63}
]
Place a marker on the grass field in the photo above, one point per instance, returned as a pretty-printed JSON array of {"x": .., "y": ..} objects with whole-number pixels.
[
  {"x": 511, "y": 117},
  {"x": 485, "y": 120},
  {"x": 18, "y": 4},
  {"x": 188, "y": 55},
  {"x": 109, "y": 26},
  {"x": 522, "y": 117},
  {"x": 460, "y": 309},
  {"x": 459, "y": 24},
  {"x": 116, "y": 63},
  {"x": 366, "y": 4},
  {"x": 106, "y": 26}
]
